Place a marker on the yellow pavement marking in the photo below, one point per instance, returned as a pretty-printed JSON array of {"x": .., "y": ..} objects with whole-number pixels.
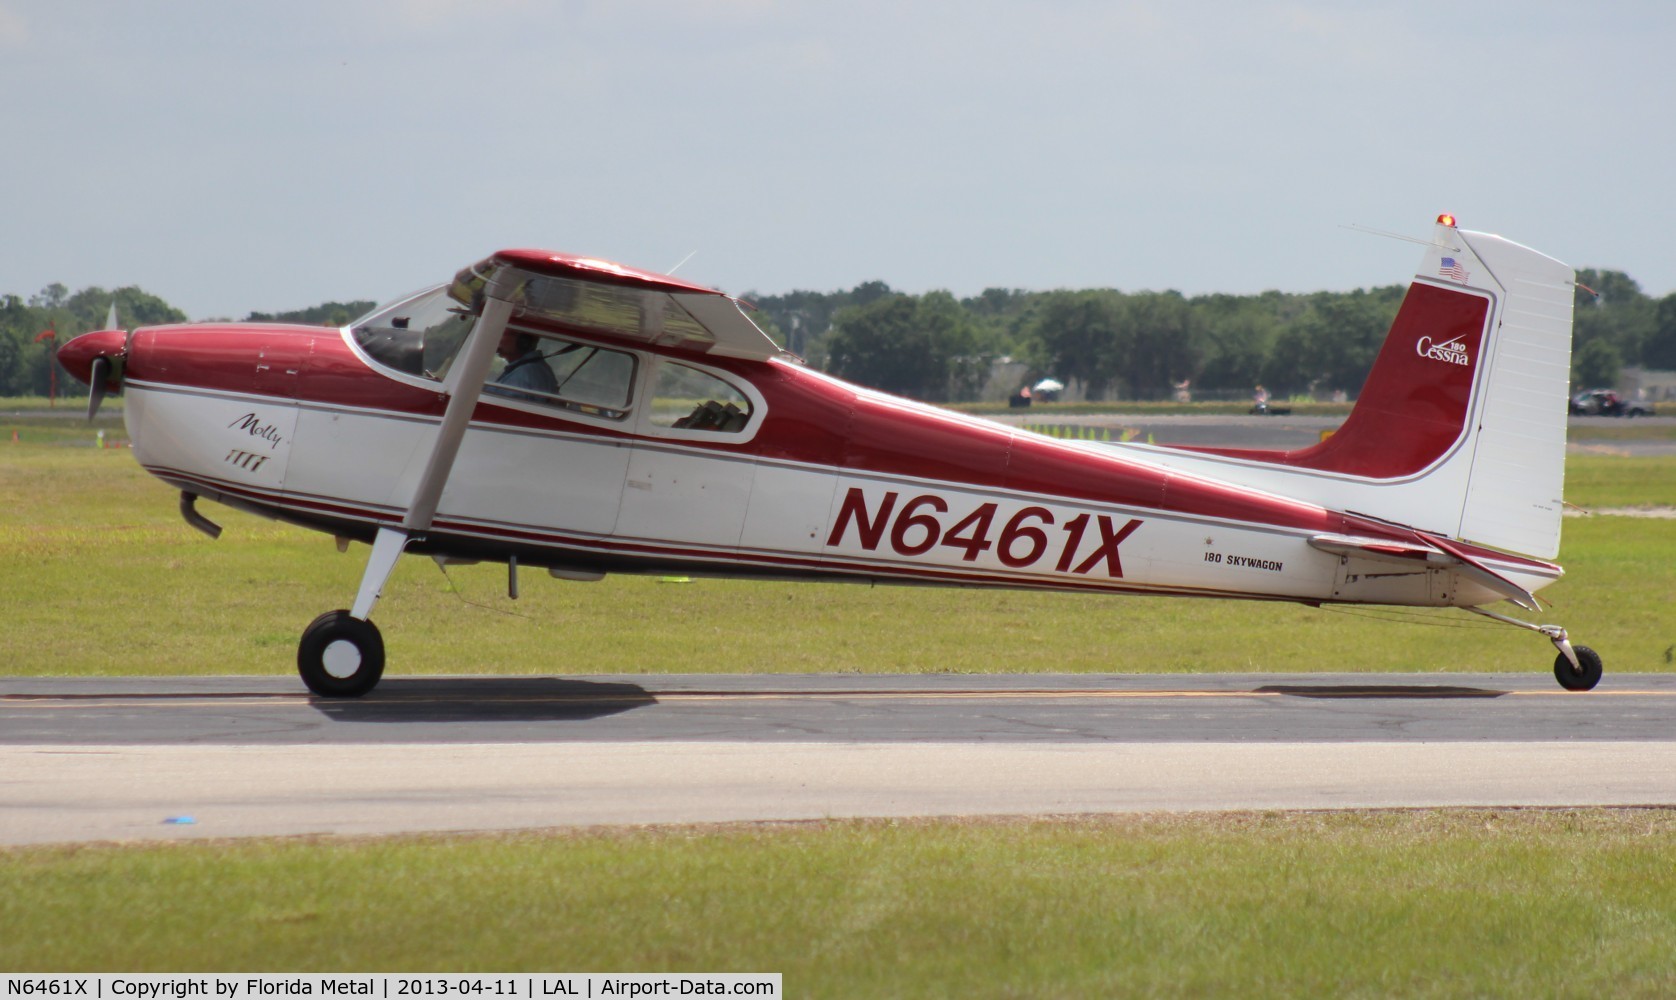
[{"x": 1305, "y": 692}]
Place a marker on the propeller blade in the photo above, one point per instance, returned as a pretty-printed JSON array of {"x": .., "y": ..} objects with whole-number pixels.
[{"x": 96, "y": 384}]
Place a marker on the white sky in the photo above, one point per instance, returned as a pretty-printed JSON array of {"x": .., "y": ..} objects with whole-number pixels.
[{"x": 238, "y": 156}]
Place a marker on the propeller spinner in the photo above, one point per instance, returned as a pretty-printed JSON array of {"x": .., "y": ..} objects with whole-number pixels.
[{"x": 97, "y": 359}]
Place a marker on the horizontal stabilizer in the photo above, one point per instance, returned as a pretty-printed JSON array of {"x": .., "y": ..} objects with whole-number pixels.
[
  {"x": 1470, "y": 567},
  {"x": 1430, "y": 552},
  {"x": 1383, "y": 549}
]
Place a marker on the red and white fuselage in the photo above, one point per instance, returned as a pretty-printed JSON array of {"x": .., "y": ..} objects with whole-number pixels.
[{"x": 613, "y": 462}]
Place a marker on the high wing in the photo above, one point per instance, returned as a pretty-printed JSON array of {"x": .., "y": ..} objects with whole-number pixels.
[{"x": 620, "y": 302}]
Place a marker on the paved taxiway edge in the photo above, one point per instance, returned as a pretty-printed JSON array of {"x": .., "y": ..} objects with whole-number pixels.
[{"x": 85, "y": 793}]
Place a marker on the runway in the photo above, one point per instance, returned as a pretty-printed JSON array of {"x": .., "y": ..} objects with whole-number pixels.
[
  {"x": 152, "y": 759},
  {"x": 1590, "y": 435}
]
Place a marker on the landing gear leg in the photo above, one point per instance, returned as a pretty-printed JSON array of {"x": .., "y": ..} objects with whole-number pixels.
[
  {"x": 1577, "y": 668},
  {"x": 341, "y": 654}
]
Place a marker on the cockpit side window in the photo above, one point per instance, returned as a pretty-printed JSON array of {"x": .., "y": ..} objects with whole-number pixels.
[
  {"x": 684, "y": 398},
  {"x": 553, "y": 371}
]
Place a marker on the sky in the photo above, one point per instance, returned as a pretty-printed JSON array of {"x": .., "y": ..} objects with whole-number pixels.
[{"x": 266, "y": 156}]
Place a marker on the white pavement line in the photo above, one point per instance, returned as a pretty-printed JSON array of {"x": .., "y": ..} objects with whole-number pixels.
[{"x": 62, "y": 794}]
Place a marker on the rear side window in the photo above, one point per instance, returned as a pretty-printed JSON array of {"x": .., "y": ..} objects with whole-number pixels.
[{"x": 685, "y": 398}]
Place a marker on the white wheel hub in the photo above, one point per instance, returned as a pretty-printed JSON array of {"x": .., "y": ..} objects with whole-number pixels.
[{"x": 341, "y": 658}]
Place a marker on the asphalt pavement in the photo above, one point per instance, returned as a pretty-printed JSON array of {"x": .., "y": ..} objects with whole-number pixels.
[{"x": 153, "y": 759}]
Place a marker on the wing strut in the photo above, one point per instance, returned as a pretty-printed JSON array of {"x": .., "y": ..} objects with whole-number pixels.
[{"x": 464, "y": 386}]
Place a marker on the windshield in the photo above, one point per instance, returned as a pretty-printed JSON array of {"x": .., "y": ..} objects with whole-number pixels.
[
  {"x": 421, "y": 334},
  {"x": 418, "y": 335}
]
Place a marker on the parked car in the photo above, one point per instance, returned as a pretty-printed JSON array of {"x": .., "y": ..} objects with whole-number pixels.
[{"x": 1606, "y": 403}]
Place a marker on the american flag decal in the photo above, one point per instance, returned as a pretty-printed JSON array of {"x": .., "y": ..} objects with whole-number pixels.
[{"x": 1452, "y": 269}]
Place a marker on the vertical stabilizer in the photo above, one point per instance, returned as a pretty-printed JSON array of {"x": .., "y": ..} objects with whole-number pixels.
[{"x": 1460, "y": 427}]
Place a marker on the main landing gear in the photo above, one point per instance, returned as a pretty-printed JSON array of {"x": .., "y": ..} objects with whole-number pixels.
[
  {"x": 1577, "y": 668},
  {"x": 1582, "y": 675},
  {"x": 341, "y": 656}
]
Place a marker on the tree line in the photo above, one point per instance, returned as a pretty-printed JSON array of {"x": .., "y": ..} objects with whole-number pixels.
[
  {"x": 1106, "y": 343},
  {"x": 31, "y": 328},
  {"x": 1156, "y": 345}
]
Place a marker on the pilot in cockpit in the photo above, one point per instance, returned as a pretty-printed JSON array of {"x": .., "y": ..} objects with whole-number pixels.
[{"x": 526, "y": 367}]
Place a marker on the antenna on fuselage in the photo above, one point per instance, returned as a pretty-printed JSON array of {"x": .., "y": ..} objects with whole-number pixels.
[
  {"x": 1353, "y": 227},
  {"x": 684, "y": 260}
]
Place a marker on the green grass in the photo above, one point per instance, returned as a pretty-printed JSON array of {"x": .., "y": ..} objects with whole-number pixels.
[
  {"x": 27, "y": 429},
  {"x": 98, "y": 575},
  {"x": 1606, "y": 481},
  {"x": 101, "y": 576},
  {"x": 1463, "y": 903}
]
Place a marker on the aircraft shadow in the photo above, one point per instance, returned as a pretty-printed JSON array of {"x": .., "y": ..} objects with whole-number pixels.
[
  {"x": 1378, "y": 691},
  {"x": 486, "y": 699}
]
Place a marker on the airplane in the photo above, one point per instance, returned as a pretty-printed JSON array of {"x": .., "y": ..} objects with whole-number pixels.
[{"x": 639, "y": 423}]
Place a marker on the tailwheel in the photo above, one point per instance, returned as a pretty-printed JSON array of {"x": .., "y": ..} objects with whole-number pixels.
[
  {"x": 1581, "y": 677},
  {"x": 341, "y": 656}
]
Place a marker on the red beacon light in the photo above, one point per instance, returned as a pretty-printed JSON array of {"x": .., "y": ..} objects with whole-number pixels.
[{"x": 1446, "y": 220}]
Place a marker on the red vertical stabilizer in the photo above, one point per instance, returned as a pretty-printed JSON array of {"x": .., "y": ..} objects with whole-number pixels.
[
  {"x": 1460, "y": 428},
  {"x": 1413, "y": 409}
]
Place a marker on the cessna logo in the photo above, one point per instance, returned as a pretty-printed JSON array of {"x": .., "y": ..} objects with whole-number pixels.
[{"x": 1454, "y": 352}]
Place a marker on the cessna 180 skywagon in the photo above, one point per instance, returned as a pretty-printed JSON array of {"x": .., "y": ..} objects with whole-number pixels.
[{"x": 639, "y": 423}]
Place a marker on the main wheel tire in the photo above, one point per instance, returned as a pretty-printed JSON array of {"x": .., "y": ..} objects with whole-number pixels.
[
  {"x": 1574, "y": 679},
  {"x": 340, "y": 656}
]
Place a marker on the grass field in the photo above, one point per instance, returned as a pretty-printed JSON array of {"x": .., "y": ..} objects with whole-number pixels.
[
  {"x": 101, "y": 576},
  {"x": 1464, "y": 903}
]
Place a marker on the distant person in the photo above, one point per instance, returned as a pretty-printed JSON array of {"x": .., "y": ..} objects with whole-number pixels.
[{"x": 526, "y": 368}]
